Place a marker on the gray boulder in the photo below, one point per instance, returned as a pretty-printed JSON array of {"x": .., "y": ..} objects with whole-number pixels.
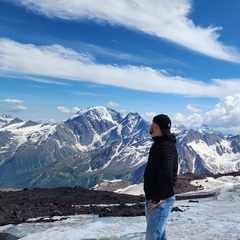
[
  {"x": 2, "y": 220},
  {"x": 7, "y": 236}
]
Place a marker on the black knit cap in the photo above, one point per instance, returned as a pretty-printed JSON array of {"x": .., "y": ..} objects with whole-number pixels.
[{"x": 164, "y": 122}]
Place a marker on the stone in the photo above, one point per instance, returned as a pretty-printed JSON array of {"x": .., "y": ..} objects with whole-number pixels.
[
  {"x": 7, "y": 236},
  {"x": 2, "y": 220}
]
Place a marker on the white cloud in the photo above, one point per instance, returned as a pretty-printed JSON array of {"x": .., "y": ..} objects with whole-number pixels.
[
  {"x": 48, "y": 121},
  {"x": 59, "y": 62},
  {"x": 226, "y": 113},
  {"x": 193, "y": 108},
  {"x": 225, "y": 117},
  {"x": 19, "y": 108},
  {"x": 149, "y": 115},
  {"x": 68, "y": 110},
  {"x": 41, "y": 80},
  {"x": 123, "y": 111},
  {"x": 79, "y": 93},
  {"x": 11, "y": 100},
  {"x": 194, "y": 120},
  {"x": 112, "y": 104},
  {"x": 164, "y": 19}
]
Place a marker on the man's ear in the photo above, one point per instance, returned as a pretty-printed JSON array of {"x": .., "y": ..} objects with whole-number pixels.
[{"x": 156, "y": 126}]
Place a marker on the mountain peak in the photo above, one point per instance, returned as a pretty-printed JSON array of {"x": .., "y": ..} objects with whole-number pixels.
[
  {"x": 99, "y": 143},
  {"x": 205, "y": 129},
  {"x": 5, "y": 119},
  {"x": 5, "y": 116},
  {"x": 99, "y": 113}
]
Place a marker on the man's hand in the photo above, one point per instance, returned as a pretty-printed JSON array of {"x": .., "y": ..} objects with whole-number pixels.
[{"x": 152, "y": 205}]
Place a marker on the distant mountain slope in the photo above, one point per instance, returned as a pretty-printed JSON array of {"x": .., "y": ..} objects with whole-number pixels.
[{"x": 100, "y": 143}]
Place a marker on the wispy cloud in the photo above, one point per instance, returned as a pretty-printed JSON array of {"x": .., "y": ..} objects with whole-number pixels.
[
  {"x": 112, "y": 104},
  {"x": 68, "y": 110},
  {"x": 164, "y": 19},
  {"x": 47, "y": 81},
  {"x": 193, "y": 108},
  {"x": 79, "y": 93},
  {"x": 149, "y": 115},
  {"x": 11, "y": 100},
  {"x": 61, "y": 63},
  {"x": 19, "y": 108}
]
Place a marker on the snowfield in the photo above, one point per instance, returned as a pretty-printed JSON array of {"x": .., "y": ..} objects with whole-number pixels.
[{"x": 203, "y": 219}]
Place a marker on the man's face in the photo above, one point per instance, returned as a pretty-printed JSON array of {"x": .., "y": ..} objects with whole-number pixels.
[{"x": 152, "y": 127}]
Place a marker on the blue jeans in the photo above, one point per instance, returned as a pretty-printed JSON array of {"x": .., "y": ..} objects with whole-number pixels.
[{"x": 156, "y": 220}]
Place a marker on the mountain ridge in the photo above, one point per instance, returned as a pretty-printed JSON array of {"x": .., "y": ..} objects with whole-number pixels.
[{"x": 100, "y": 143}]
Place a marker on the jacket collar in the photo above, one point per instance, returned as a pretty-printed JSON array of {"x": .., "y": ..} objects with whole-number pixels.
[{"x": 165, "y": 138}]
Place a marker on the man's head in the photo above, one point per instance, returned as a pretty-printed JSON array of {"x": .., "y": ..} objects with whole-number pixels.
[{"x": 161, "y": 122}]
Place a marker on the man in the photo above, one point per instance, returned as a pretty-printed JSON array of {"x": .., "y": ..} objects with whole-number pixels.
[{"x": 159, "y": 177}]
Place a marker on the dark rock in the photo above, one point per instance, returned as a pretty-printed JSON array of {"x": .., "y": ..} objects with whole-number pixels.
[
  {"x": 42, "y": 203},
  {"x": 2, "y": 221},
  {"x": 193, "y": 201},
  {"x": 57, "y": 213},
  {"x": 7, "y": 236},
  {"x": 18, "y": 206},
  {"x": 108, "y": 210},
  {"x": 176, "y": 209},
  {"x": 183, "y": 184}
]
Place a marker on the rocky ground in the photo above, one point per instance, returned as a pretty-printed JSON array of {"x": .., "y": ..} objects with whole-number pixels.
[{"x": 20, "y": 206}]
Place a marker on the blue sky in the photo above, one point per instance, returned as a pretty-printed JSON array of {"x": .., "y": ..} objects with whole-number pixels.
[{"x": 177, "y": 57}]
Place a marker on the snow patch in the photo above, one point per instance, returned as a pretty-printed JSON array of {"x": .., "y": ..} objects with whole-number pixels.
[{"x": 210, "y": 218}]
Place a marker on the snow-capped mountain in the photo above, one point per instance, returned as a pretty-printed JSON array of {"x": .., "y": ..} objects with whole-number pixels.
[{"x": 100, "y": 143}]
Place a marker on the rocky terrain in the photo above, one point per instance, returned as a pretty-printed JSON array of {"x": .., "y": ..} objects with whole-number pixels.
[
  {"x": 17, "y": 206},
  {"x": 43, "y": 204}
]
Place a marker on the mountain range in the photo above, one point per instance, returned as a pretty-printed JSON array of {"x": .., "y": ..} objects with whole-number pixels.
[{"x": 100, "y": 143}]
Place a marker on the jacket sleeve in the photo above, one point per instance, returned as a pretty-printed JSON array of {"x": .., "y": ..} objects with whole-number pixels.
[{"x": 163, "y": 173}]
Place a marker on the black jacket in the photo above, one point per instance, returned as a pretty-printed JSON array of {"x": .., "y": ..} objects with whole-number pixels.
[{"x": 161, "y": 171}]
